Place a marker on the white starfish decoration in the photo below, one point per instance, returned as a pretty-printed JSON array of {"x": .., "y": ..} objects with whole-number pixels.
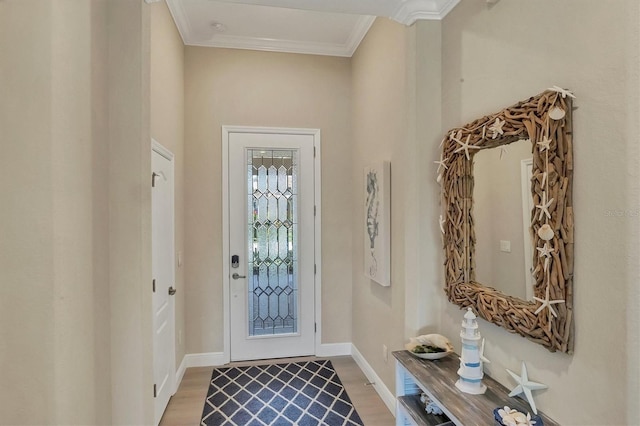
[
  {"x": 546, "y": 252},
  {"x": 563, "y": 92},
  {"x": 544, "y": 144},
  {"x": 441, "y": 163},
  {"x": 546, "y": 303},
  {"x": 481, "y": 353},
  {"x": 455, "y": 136},
  {"x": 465, "y": 146},
  {"x": 525, "y": 386},
  {"x": 496, "y": 128},
  {"x": 484, "y": 132},
  {"x": 442, "y": 221},
  {"x": 544, "y": 206},
  {"x": 544, "y": 178}
]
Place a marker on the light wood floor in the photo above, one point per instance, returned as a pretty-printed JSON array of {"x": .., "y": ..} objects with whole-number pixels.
[{"x": 185, "y": 407}]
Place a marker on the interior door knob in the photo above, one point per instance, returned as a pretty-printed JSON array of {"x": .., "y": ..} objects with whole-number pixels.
[{"x": 172, "y": 291}]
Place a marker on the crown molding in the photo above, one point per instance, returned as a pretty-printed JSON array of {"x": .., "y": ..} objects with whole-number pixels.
[
  {"x": 265, "y": 44},
  {"x": 409, "y": 11},
  {"x": 176, "y": 8}
]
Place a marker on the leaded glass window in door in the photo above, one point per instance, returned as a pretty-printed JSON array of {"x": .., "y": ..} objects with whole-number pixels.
[{"x": 272, "y": 242}]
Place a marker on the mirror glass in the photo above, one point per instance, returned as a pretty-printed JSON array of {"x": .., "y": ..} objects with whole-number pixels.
[{"x": 502, "y": 217}]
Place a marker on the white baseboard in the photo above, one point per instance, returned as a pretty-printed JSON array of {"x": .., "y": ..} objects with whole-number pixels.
[
  {"x": 387, "y": 397},
  {"x": 180, "y": 373},
  {"x": 334, "y": 349},
  {"x": 207, "y": 359}
]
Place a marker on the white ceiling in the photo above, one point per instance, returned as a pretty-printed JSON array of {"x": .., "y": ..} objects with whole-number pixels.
[{"x": 321, "y": 27}]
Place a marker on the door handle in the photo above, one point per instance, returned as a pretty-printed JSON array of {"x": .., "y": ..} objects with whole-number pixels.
[
  {"x": 235, "y": 276},
  {"x": 172, "y": 291}
]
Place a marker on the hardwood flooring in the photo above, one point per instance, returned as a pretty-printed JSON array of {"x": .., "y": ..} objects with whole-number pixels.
[{"x": 185, "y": 407}]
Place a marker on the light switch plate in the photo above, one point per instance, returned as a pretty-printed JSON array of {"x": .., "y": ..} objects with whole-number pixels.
[{"x": 505, "y": 246}]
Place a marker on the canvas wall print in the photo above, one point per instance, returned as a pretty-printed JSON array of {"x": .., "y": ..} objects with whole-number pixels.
[{"x": 377, "y": 209}]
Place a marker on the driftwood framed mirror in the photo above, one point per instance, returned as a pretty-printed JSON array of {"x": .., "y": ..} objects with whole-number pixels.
[{"x": 544, "y": 122}]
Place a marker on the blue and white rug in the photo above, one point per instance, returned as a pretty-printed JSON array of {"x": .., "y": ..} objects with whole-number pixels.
[{"x": 301, "y": 393}]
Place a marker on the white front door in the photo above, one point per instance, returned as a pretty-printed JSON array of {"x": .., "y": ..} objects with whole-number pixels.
[
  {"x": 271, "y": 245},
  {"x": 163, "y": 277}
]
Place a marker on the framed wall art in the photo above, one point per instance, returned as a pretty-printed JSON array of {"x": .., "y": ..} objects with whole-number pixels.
[{"x": 377, "y": 222}]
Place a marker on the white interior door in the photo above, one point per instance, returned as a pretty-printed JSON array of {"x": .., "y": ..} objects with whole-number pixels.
[
  {"x": 271, "y": 245},
  {"x": 163, "y": 270}
]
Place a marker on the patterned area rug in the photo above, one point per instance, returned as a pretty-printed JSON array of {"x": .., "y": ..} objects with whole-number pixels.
[{"x": 301, "y": 393}]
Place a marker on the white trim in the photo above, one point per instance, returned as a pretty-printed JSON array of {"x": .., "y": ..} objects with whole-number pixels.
[
  {"x": 182, "y": 368},
  {"x": 387, "y": 397},
  {"x": 155, "y": 146},
  {"x": 226, "y": 303},
  {"x": 333, "y": 349},
  {"x": 346, "y": 49},
  {"x": 317, "y": 225},
  {"x": 206, "y": 359},
  {"x": 359, "y": 31},
  {"x": 210, "y": 359},
  {"x": 290, "y": 46},
  {"x": 409, "y": 11},
  {"x": 226, "y": 130}
]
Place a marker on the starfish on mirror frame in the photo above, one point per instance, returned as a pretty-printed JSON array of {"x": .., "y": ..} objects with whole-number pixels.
[
  {"x": 563, "y": 92},
  {"x": 525, "y": 386},
  {"x": 496, "y": 128},
  {"x": 455, "y": 136},
  {"x": 441, "y": 163},
  {"x": 465, "y": 146},
  {"x": 546, "y": 252},
  {"x": 545, "y": 144},
  {"x": 442, "y": 221},
  {"x": 544, "y": 206},
  {"x": 546, "y": 303}
]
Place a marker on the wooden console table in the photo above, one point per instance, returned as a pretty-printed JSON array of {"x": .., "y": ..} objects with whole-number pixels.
[{"x": 437, "y": 379}]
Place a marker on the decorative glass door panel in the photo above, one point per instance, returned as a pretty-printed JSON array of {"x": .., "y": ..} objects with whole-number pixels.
[{"x": 272, "y": 242}]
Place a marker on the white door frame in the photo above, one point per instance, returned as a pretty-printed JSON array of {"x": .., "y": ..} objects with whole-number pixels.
[
  {"x": 226, "y": 130},
  {"x": 172, "y": 385}
]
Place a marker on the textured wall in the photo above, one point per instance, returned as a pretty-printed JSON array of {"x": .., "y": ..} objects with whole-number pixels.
[{"x": 239, "y": 87}]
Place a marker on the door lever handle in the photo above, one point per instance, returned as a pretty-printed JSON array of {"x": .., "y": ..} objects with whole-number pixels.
[
  {"x": 235, "y": 276},
  {"x": 172, "y": 291}
]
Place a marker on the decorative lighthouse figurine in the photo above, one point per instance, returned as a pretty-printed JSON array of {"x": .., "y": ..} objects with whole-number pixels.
[{"x": 470, "y": 370}]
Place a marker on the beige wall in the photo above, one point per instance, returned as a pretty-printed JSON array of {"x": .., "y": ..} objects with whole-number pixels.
[
  {"x": 54, "y": 251},
  {"x": 496, "y": 55},
  {"x": 380, "y": 116},
  {"x": 238, "y": 87},
  {"x": 130, "y": 212},
  {"x": 167, "y": 127}
]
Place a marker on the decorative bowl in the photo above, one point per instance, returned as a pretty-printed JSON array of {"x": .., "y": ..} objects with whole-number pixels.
[
  {"x": 433, "y": 355},
  {"x": 433, "y": 340}
]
